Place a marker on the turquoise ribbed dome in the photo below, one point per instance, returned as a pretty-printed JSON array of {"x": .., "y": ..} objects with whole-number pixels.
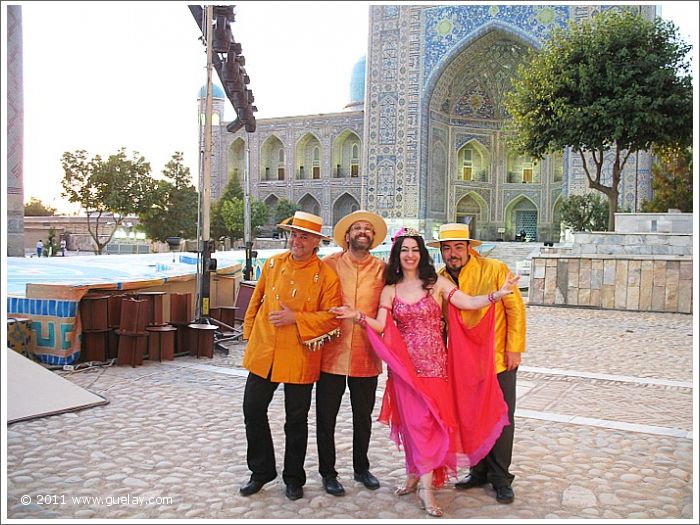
[
  {"x": 216, "y": 92},
  {"x": 357, "y": 82}
]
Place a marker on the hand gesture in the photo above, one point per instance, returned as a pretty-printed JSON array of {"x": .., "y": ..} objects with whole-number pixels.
[
  {"x": 282, "y": 317},
  {"x": 511, "y": 282},
  {"x": 343, "y": 312}
]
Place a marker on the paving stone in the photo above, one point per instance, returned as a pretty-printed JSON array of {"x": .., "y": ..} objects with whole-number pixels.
[{"x": 185, "y": 440}]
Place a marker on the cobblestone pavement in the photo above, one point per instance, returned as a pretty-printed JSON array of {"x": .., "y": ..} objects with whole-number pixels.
[{"x": 604, "y": 430}]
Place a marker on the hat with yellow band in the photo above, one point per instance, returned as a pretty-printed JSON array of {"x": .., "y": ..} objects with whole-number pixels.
[{"x": 453, "y": 231}]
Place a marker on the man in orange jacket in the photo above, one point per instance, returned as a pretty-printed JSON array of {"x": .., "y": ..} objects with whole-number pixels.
[
  {"x": 476, "y": 275},
  {"x": 350, "y": 359},
  {"x": 286, "y": 324}
]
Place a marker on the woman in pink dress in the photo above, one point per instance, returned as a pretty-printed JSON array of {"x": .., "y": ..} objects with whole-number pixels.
[{"x": 445, "y": 408}]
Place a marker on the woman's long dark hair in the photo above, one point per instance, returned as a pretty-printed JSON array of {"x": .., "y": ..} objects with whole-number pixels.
[{"x": 426, "y": 270}]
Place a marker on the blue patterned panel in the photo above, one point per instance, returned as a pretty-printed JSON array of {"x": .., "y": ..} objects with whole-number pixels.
[
  {"x": 446, "y": 26},
  {"x": 52, "y": 322}
]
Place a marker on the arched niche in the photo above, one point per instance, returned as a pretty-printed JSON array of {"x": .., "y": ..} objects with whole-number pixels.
[
  {"x": 472, "y": 162},
  {"x": 309, "y": 204},
  {"x": 344, "y": 205},
  {"x": 272, "y": 159},
  {"x": 347, "y": 152},
  {"x": 471, "y": 209},
  {"x": 236, "y": 160},
  {"x": 308, "y": 157},
  {"x": 521, "y": 214}
]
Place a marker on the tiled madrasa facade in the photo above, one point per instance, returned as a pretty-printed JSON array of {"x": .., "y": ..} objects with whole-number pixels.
[
  {"x": 421, "y": 141},
  {"x": 15, "y": 130}
]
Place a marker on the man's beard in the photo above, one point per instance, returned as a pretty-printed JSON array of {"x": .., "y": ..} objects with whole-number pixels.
[{"x": 360, "y": 243}]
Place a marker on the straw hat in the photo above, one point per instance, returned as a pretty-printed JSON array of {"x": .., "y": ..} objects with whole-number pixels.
[
  {"x": 344, "y": 224},
  {"x": 453, "y": 231},
  {"x": 304, "y": 222}
]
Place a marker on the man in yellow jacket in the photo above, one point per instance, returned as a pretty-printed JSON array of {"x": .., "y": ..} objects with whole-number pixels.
[
  {"x": 286, "y": 324},
  {"x": 350, "y": 358},
  {"x": 476, "y": 275}
]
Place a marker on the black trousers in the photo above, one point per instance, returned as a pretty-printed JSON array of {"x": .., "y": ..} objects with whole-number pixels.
[
  {"x": 329, "y": 393},
  {"x": 494, "y": 467},
  {"x": 261, "y": 452}
]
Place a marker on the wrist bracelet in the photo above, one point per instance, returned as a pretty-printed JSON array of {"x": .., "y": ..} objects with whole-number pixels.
[
  {"x": 449, "y": 296},
  {"x": 361, "y": 319},
  {"x": 492, "y": 298}
]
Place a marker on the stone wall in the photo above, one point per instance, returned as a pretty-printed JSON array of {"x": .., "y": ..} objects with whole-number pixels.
[
  {"x": 671, "y": 222},
  {"x": 616, "y": 243},
  {"x": 662, "y": 283}
]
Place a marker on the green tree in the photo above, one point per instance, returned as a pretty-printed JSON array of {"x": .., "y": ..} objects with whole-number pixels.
[
  {"x": 232, "y": 215},
  {"x": 605, "y": 88},
  {"x": 285, "y": 209},
  {"x": 50, "y": 248},
  {"x": 587, "y": 212},
  {"x": 174, "y": 212},
  {"x": 672, "y": 181},
  {"x": 217, "y": 226},
  {"x": 108, "y": 190},
  {"x": 36, "y": 208}
]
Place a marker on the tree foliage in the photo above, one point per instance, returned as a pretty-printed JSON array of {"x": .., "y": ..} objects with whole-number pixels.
[
  {"x": 285, "y": 209},
  {"x": 217, "y": 226},
  {"x": 587, "y": 212},
  {"x": 108, "y": 190},
  {"x": 36, "y": 208},
  {"x": 617, "y": 83},
  {"x": 232, "y": 215},
  {"x": 672, "y": 181},
  {"x": 174, "y": 212}
]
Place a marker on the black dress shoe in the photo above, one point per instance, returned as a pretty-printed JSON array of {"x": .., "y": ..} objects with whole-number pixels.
[
  {"x": 367, "y": 479},
  {"x": 252, "y": 487},
  {"x": 470, "y": 481},
  {"x": 333, "y": 486},
  {"x": 504, "y": 495},
  {"x": 294, "y": 492}
]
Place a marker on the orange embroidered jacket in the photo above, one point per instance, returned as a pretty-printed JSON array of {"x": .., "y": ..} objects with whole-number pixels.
[
  {"x": 289, "y": 353},
  {"x": 361, "y": 285},
  {"x": 480, "y": 276}
]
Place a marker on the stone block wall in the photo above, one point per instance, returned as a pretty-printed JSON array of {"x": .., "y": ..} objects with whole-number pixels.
[
  {"x": 615, "y": 243},
  {"x": 641, "y": 283}
]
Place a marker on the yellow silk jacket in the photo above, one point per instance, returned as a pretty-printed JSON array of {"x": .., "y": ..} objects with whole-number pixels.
[
  {"x": 480, "y": 276},
  {"x": 361, "y": 285},
  {"x": 291, "y": 353}
]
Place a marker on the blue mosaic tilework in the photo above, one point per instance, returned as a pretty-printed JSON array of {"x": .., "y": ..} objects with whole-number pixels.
[{"x": 446, "y": 26}]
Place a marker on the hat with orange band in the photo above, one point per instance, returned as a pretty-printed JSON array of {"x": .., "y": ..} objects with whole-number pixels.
[{"x": 305, "y": 222}]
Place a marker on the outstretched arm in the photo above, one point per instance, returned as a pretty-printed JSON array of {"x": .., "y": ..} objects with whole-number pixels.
[
  {"x": 475, "y": 302},
  {"x": 378, "y": 324}
]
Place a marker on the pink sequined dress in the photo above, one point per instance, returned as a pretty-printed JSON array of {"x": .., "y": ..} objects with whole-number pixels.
[{"x": 445, "y": 409}]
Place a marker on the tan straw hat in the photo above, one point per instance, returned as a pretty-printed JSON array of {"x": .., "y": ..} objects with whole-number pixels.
[
  {"x": 343, "y": 225},
  {"x": 453, "y": 231},
  {"x": 305, "y": 222}
]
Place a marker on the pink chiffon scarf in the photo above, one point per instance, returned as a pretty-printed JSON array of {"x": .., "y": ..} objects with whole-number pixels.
[{"x": 477, "y": 401}]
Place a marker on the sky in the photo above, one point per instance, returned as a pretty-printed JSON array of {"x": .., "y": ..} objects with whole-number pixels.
[{"x": 104, "y": 75}]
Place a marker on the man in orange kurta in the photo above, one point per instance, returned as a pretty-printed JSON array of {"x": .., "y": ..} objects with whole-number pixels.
[
  {"x": 286, "y": 324},
  {"x": 351, "y": 358},
  {"x": 476, "y": 275}
]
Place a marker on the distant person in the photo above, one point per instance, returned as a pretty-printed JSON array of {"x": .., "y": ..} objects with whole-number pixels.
[
  {"x": 63, "y": 247},
  {"x": 476, "y": 275},
  {"x": 350, "y": 358},
  {"x": 39, "y": 247},
  {"x": 287, "y": 322}
]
